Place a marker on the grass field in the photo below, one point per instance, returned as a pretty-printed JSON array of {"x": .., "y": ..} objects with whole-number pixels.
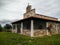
[{"x": 7, "y": 38}]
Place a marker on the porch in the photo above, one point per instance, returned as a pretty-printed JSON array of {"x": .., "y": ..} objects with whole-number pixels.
[{"x": 32, "y": 27}]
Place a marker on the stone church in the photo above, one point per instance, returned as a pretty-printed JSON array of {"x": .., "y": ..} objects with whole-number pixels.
[{"x": 35, "y": 25}]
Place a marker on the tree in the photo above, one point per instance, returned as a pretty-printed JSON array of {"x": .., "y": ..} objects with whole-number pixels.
[
  {"x": 1, "y": 28},
  {"x": 8, "y": 27}
]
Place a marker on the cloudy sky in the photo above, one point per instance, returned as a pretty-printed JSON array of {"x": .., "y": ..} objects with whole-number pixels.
[{"x": 11, "y": 10}]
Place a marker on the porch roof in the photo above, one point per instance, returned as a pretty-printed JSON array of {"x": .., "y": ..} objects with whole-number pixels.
[{"x": 34, "y": 18}]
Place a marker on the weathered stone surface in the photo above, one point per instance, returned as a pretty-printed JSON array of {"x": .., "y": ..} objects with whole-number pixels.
[
  {"x": 14, "y": 31},
  {"x": 26, "y": 32}
]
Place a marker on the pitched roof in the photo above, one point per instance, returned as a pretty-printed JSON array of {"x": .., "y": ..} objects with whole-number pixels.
[{"x": 46, "y": 17}]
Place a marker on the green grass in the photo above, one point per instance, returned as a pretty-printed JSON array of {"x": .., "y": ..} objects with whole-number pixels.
[{"x": 7, "y": 38}]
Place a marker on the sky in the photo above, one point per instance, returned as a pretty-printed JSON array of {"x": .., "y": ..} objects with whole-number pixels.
[{"x": 12, "y": 10}]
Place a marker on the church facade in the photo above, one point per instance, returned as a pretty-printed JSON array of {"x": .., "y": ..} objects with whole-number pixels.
[{"x": 35, "y": 25}]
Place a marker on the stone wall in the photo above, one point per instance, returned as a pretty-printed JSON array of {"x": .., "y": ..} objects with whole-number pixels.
[
  {"x": 59, "y": 29},
  {"x": 36, "y": 33},
  {"x": 26, "y": 32},
  {"x": 30, "y": 13},
  {"x": 40, "y": 32},
  {"x": 55, "y": 27},
  {"x": 14, "y": 31}
]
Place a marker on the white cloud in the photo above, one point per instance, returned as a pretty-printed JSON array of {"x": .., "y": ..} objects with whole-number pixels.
[
  {"x": 14, "y": 9},
  {"x": 48, "y": 7},
  {"x": 11, "y": 10}
]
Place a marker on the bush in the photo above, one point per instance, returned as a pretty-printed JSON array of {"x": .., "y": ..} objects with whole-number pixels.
[
  {"x": 7, "y": 27},
  {"x": 1, "y": 28}
]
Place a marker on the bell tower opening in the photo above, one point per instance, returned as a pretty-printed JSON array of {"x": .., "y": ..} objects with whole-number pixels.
[{"x": 28, "y": 8}]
